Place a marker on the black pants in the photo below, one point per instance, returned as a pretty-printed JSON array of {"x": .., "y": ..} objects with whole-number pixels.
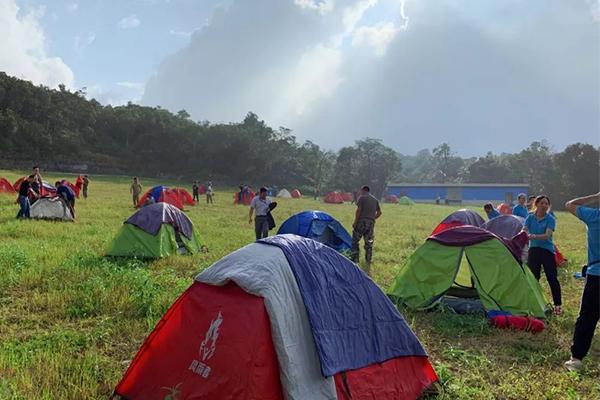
[
  {"x": 196, "y": 197},
  {"x": 538, "y": 258},
  {"x": 261, "y": 227},
  {"x": 589, "y": 313}
]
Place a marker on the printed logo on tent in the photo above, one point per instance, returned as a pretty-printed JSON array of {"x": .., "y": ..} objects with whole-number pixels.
[{"x": 207, "y": 348}]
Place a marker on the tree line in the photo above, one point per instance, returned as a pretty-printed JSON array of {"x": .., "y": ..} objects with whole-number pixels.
[{"x": 63, "y": 128}]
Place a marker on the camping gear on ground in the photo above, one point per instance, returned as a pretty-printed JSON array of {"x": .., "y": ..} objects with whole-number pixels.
[
  {"x": 318, "y": 226},
  {"x": 459, "y": 218},
  {"x": 254, "y": 325},
  {"x": 52, "y": 208},
  {"x": 393, "y": 199},
  {"x": 284, "y": 194},
  {"x": 6, "y": 187},
  {"x": 333, "y": 198},
  {"x": 406, "y": 201},
  {"x": 296, "y": 194},
  {"x": 161, "y": 194},
  {"x": 154, "y": 231},
  {"x": 527, "y": 324},
  {"x": 467, "y": 261},
  {"x": 461, "y": 305}
]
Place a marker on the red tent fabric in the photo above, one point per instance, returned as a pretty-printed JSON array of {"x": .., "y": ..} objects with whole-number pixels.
[
  {"x": 527, "y": 324},
  {"x": 202, "y": 189},
  {"x": 347, "y": 196},
  {"x": 246, "y": 198},
  {"x": 74, "y": 188},
  {"x": 392, "y": 199},
  {"x": 166, "y": 196},
  {"x": 185, "y": 196},
  {"x": 17, "y": 184},
  {"x": 296, "y": 194},
  {"x": 6, "y": 186},
  {"x": 504, "y": 208},
  {"x": 213, "y": 343},
  {"x": 333, "y": 198}
]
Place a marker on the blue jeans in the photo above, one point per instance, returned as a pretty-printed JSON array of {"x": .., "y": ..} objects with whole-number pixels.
[{"x": 24, "y": 204}]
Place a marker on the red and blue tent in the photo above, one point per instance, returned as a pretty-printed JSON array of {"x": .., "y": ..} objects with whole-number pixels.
[
  {"x": 459, "y": 218},
  {"x": 162, "y": 194},
  {"x": 283, "y": 318}
]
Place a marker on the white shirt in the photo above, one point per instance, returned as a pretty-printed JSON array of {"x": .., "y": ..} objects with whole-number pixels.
[{"x": 260, "y": 207}]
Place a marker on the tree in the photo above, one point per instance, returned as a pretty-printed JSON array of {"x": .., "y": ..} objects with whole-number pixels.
[{"x": 447, "y": 165}]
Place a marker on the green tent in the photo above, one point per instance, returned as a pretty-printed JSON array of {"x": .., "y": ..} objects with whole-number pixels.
[
  {"x": 469, "y": 262},
  {"x": 155, "y": 231},
  {"x": 406, "y": 201}
]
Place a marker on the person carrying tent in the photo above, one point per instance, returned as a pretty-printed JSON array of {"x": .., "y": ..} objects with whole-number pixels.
[
  {"x": 135, "y": 190},
  {"x": 589, "y": 312},
  {"x": 490, "y": 211},
  {"x": 209, "y": 192},
  {"x": 25, "y": 190},
  {"x": 521, "y": 209},
  {"x": 260, "y": 207},
  {"x": 367, "y": 211},
  {"x": 540, "y": 227},
  {"x": 196, "y": 192},
  {"x": 67, "y": 194}
]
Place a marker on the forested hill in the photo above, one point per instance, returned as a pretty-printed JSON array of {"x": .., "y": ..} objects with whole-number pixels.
[{"x": 61, "y": 129}]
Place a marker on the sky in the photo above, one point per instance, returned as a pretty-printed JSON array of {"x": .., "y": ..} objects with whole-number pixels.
[{"x": 482, "y": 76}]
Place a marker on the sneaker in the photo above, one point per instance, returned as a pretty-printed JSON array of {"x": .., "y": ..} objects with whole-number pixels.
[
  {"x": 557, "y": 310},
  {"x": 573, "y": 364}
]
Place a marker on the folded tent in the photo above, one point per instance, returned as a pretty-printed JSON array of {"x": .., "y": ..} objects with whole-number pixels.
[
  {"x": 253, "y": 326},
  {"x": 155, "y": 231}
]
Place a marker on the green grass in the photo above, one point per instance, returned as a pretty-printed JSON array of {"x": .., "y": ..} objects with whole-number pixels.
[{"x": 71, "y": 319}]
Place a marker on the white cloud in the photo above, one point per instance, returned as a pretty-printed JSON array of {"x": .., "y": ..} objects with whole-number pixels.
[
  {"x": 183, "y": 34},
  {"x": 378, "y": 37},
  {"x": 322, "y": 6},
  {"x": 595, "y": 9},
  {"x": 353, "y": 14},
  {"x": 23, "y": 48},
  {"x": 72, "y": 7},
  {"x": 129, "y": 22},
  {"x": 131, "y": 85}
]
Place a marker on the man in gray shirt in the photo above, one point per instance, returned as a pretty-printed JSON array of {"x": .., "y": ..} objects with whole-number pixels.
[
  {"x": 367, "y": 211},
  {"x": 260, "y": 206}
]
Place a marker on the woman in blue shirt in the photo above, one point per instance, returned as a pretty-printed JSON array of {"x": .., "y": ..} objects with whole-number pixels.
[{"x": 540, "y": 226}]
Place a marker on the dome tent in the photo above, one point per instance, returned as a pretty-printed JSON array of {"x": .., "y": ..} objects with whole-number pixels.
[
  {"x": 467, "y": 261},
  {"x": 162, "y": 194},
  {"x": 53, "y": 208},
  {"x": 333, "y": 198},
  {"x": 257, "y": 309},
  {"x": 6, "y": 186},
  {"x": 406, "y": 201},
  {"x": 296, "y": 194},
  {"x": 284, "y": 194},
  {"x": 392, "y": 199},
  {"x": 459, "y": 218},
  {"x": 318, "y": 226},
  {"x": 155, "y": 231}
]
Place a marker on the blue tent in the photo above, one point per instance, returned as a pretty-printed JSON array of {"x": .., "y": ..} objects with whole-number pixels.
[{"x": 318, "y": 226}]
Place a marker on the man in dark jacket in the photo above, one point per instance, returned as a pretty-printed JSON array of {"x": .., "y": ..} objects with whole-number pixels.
[{"x": 367, "y": 211}]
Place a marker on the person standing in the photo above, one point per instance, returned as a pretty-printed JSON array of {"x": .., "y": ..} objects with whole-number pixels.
[
  {"x": 521, "y": 208},
  {"x": 23, "y": 198},
  {"x": 540, "y": 226},
  {"x": 260, "y": 206},
  {"x": 589, "y": 311},
  {"x": 367, "y": 211},
  {"x": 135, "y": 190},
  {"x": 86, "y": 182},
  {"x": 195, "y": 192},
  {"x": 209, "y": 192},
  {"x": 37, "y": 183}
]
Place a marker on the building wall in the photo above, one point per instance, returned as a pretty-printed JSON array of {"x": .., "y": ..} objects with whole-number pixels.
[{"x": 470, "y": 194}]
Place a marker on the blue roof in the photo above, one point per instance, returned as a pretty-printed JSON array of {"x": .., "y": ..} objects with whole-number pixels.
[{"x": 318, "y": 226}]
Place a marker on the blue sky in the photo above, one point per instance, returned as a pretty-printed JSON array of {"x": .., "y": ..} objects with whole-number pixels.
[{"x": 491, "y": 75}]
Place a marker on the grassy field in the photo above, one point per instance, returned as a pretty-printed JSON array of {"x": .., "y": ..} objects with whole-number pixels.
[{"x": 71, "y": 319}]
